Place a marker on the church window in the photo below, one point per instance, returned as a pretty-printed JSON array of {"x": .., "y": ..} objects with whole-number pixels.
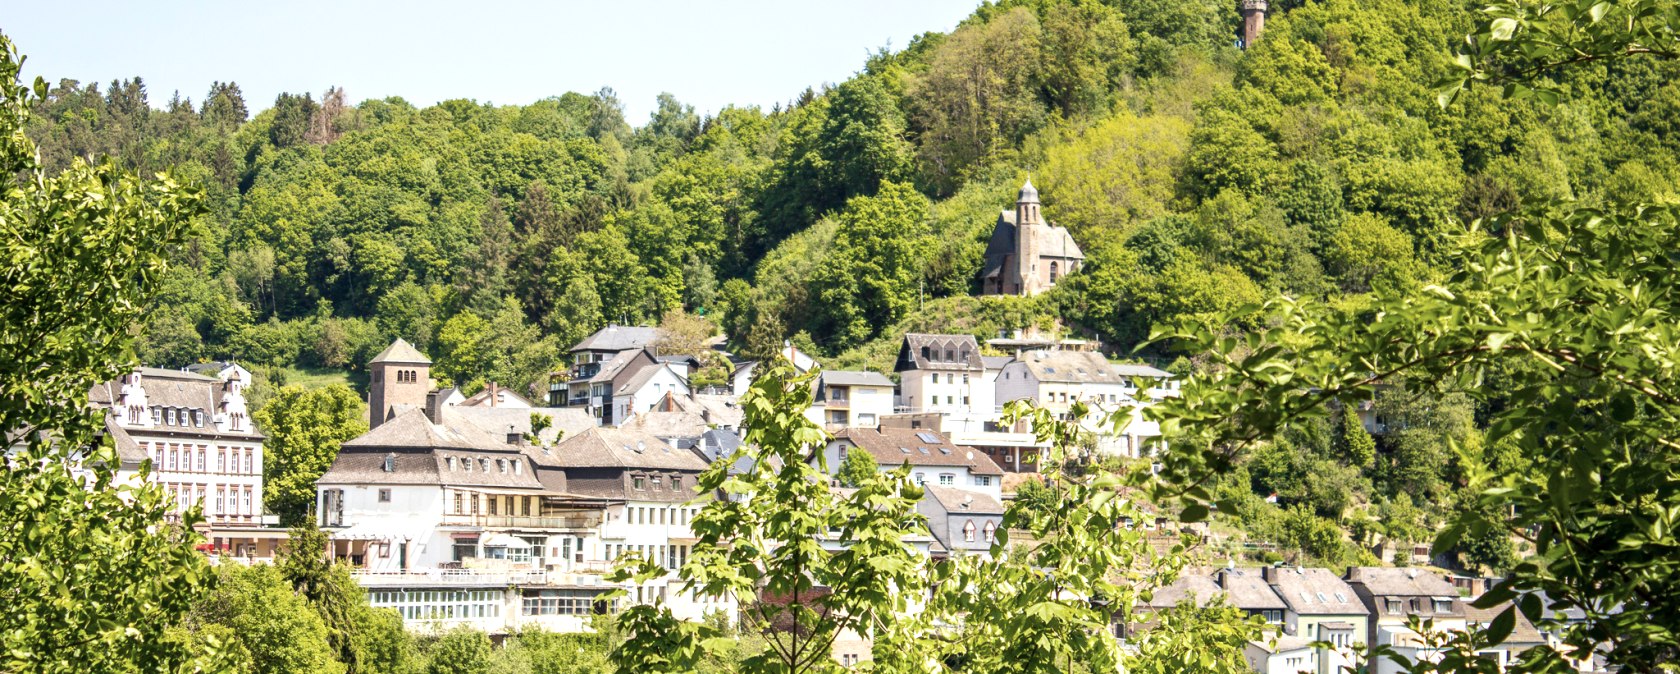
[{"x": 1053, "y": 272}]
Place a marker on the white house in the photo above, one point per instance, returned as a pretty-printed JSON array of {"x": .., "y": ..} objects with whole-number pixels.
[
  {"x": 638, "y": 392},
  {"x": 1321, "y": 607},
  {"x": 1055, "y": 380},
  {"x": 945, "y": 374},
  {"x": 204, "y": 449},
  {"x": 933, "y": 458}
]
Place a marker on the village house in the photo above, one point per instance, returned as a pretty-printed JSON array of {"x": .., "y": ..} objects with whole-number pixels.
[
  {"x": 846, "y": 399},
  {"x": 964, "y": 521},
  {"x": 933, "y": 458},
  {"x": 1055, "y": 380},
  {"x": 1321, "y": 607},
  {"x": 205, "y": 450},
  {"x": 1392, "y": 596}
]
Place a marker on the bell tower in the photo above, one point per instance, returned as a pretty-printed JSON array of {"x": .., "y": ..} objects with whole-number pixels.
[
  {"x": 1027, "y": 237},
  {"x": 399, "y": 375}
]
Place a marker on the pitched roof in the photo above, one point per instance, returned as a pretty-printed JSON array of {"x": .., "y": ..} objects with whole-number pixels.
[
  {"x": 1397, "y": 582},
  {"x": 1053, "y": 241},
  {"x": 617, "y": 448},
  {"x": 855, "y": 378},
  {"x": 945, "y": 352},
  {"x": 448, "y": 467},
  {"x": 996, "y": 362},
  {"x": 411, "y": 429},
  {"x": 1138, "y": 370},
  {"x": 895, "y": 446},
  {"x": 963, "y": 500},
  {"x": 494, "y": 422},
  {"x": 641, "y": 378},
  {"x": 1523, "y": 632},
  {"x": 1070, "y": 367},
  {"x": 616, "y": 365},
  {"x": 618, "y": 338},
  {"x": 1241, "y": 587},
  {"x": 400, "y": 351},
  {"x": 129, "y": 454},
  {"x": 668, "y": 425},
  {"x": 1315, "y": 591}
]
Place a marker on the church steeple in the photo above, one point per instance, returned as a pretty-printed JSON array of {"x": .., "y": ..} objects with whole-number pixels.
[{"x": 1026, "y": 205}]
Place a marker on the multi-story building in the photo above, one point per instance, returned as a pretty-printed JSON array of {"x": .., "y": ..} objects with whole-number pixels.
[
  {"x": 1393, "y": 596},
  {"x": 1323, "y": 608},
  {"x": 945, "y": 374},
  {"x": 964, "y": 521},
  {"x": 599, "y": 359},
  {"x": 933, "y": 458},
  {"x": 462, "y": 514},
  {"x": 1055, "y": 380},
  {"x": 846, "y": 399},
  {"x": 204, "y": 449}
]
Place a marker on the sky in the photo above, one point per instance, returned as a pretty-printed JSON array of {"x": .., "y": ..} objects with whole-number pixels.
[{"x": 708, "y": 53}]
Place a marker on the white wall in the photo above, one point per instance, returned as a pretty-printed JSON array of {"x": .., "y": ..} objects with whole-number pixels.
[{"x": 961, "y": 477}]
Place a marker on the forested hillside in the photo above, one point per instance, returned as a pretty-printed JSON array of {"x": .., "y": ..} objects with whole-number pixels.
[{"x": 1197, "y": 177}]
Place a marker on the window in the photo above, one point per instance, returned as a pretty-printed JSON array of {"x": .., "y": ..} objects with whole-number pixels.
[
  {"x": 991, "y": 531},
  {"x": 475, "y": 504},
  {"x": 947, "y": 479},
  {"x": 458, "y": 496},
  {"x": 221, "y": 460},
  {"x": 950, "y": 355},
  {"x": 501, "y": 465},
  {"x": 157, "y": 416},
  {"x": 525, "y": 506},
  {"x": 467, "y": 465},
  {"x": 484, "y": 464},
  {"x": 968, "y": 531},
  {"x": 676, "y": 483},
  {"x": 171, "y": 456},
  {"x": 250, "y": 465},
  {"x": 221, "y": 493},
  {"x": 200, "y": 462},
  {"x": 1443, "y": 606},
  {"x": 925, "y": 354},
  {"x": 982, "y": 480},
  {"x": 639, "y": 482},
  {"x": 451, "y": 462},
  {"x": 921, "y": 479},
  {"x": 171, "y": 416},
  {"x": 518, "y": 467},
  {"x": 492, "y": 504},
  {"x": 1392, "y": 606},
  {"x": 965, "y": 378},
  {"x": 247, "y": 508},
  {"x": 1054, "y": 270},
  {"x": 384, "y": 496},
  {"x": 198, "y": 418}
]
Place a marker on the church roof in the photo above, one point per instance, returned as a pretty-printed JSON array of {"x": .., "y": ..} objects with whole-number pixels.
[
  {"x": 1054, "y": 241},
  {"x": 400, "y": 351},
  {"x": 1028, "y": 193}
]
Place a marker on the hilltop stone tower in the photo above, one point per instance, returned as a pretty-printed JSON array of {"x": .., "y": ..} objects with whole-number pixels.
[
  {"x": 399, "y": 375},
  {"x": 1254, "y": 21}
]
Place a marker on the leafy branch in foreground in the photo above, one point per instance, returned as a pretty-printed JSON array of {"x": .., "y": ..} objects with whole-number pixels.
[
  {"x": 1523, "y": 43},
  {"x": 92, "y": 575},
  {"x": 1578, "y": 307}
]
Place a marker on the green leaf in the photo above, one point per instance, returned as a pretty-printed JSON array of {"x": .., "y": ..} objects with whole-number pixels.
[
  {"x": 1194, "y": 512},
  {"x": 1502, "y": 29},
  {"x": 1502, "y": 624}
]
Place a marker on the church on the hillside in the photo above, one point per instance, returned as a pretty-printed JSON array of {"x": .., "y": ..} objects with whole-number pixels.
[{"x": 1027, "y": 255}]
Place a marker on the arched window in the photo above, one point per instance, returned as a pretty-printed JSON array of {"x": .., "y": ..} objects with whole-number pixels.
[
  {"x": 1053, "y": 272},
  {"x": 968, "y": 531}
]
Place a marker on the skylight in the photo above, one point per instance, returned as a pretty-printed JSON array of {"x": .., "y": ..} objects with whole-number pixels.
[
  {"x": 924, "y": 449},
  {"x": 928, "y": 437}
]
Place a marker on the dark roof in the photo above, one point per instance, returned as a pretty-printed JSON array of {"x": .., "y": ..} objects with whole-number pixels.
[
  {"x": 1397, "y": 582},
  {"x": 996, "y": 362},
  {"x": 895, "y": 446},
  {"x": 411, "y": 429},
  {"x": 855, "y": 378},
  {"x": 1523, "y": 633},
  {"x": 1241, "y": 587},
  {"x": 618, "y": 338},
  {"x": 617, "y": 448},
  {"x": 1315, "y": 591},
  {"x": 444, "y": 467},
  {"x": 129, "y": 454},
  {"x": 963, "y": 500},
  {"x": 964, "y": 353},
  {"x": 1053, "y": 241},
  {"x": 617, "y": 365},
  {"x": 177, "y": 389},
  {"x": 400, "y": 351}
]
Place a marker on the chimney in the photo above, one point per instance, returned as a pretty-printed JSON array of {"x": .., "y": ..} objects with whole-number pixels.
[
  {"x": 1254, "y": 21},
  {"x": 492, "y": 394},
  {"x": 514, "y": 437},
  {"x": 1269, "y": 574}
]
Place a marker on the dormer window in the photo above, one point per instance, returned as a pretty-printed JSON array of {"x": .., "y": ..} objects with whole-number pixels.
[
  {"x": 170, "y": 416},
  {"x": 484, "y": 464},
  {"x": 927, "y": 354},
  {"x": 501, "y": 465},
  {"x": 451, "y": 462},
  {"x": 390, "y": 463},
  {"x": 968, "y": 531},
  {"x": 639, "y": 482},
  {"x": 991, "y": 531},
  {"x": 518, "y": 467},
  {"x": 466, "y": 465},
  {"x": 157, "y": 416},
  {"x": 198, "y": 418},
  {"x": 657, "y": 484}
]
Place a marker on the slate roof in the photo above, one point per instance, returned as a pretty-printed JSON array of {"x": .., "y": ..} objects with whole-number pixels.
[
  {"x": 1242, "y": 588},
  {"x": 1397, "y": 582},
  {"x": 641, "y": 378},
  {"x": 964, "y": 352},
  {"x": 996, "y": 362},
  {"x": 615, "y": 365},
  {"x": 400, "y": 351},
  {"x": 617, "y": 448},
  {"x": 175, "y": 388},
  {"x": 618, "y": 338},
  {"x": 1522, "y": 633},
  {"x": 920, "y": 447},
  {"x": 433, "y": 467},
  {"x": 411, "y": 430},
  {"x": 855, "y": 378},
  {"x": 1316, "y": 591},
  {"x": 668, "y": 425},
  {"x": 1137, "y": 370},
  {"x": 129, "y": 454},
  {"x": 1054, "y": 241},
  {"x": 1070, "y": 367},
  {"x": 964, "y": 501},
  {"x": 494, "y": 421},
  {"x": 722, "y": 410}
]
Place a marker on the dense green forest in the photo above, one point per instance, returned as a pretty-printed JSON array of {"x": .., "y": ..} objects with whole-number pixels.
[{"x": 1198, "y": 178}]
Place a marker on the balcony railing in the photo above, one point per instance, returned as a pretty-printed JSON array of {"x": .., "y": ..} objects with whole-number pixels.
[
  {"x": 448, "y": 577},
  {"x": 576, "y": 521}
]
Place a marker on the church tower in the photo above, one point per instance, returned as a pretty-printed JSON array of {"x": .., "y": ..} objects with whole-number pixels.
[
  {"x": 399, "y": 375},
  {"x": 1254, "y": 21},
  {"x": 1027, "y": 238}
]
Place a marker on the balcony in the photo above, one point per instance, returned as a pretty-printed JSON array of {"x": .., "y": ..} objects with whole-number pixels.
[
  {"x": 448, "y": 578},
  {"x": 585, "y": 370},
  {"x": 576, "y": 521}
]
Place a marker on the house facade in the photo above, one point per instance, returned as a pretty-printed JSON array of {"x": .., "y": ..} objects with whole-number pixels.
[
  {"x": 1392, "y": 596},
  {"x": 1321, "y": 607},
  {"x": 846, "y": 399},
  {"x": 933, "y": 458},
  {"x": 964, "y": 521},
  {"x": 204, "y": 449}
]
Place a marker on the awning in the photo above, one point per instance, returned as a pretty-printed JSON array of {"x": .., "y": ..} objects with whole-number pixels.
[
  {"x": 505, "y": 541},
  {"x": 394, "y": 529}
]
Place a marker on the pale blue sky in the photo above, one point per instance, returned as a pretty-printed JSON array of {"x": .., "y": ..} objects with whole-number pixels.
[{"x": 707, "y": 53}]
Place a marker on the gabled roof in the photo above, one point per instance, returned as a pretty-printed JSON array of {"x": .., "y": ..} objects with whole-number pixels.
[
  {"x": 400, "y": 351},
  {"x": 895, "y": 446},
  {"x": 996, "y": 362},
  {"x": 642, "y": 377},
  {"x": 618, "y": 338},
  {"x": 616, "y": 365},
  {"x": 944, "y": 352},
  {"x": 1137, "y": 370},
  {"x": 1522, "y": 633},
  {"x": 1242, "y": 588},
  {"x": 129, "y": 454},
  {"x": 1315, "y": 591},
  {"x": 411, "y": 429},
  {"x": 1398, "y": 582},
  {"x": 1070, "y": 367},
  {"x": 617, "y": 448},
  {"x": 855, "y": 378},
  {"x": 963, "y": 501}
]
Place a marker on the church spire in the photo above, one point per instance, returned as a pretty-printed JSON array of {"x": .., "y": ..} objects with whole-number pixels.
[{"x": 1026, "y": 205}]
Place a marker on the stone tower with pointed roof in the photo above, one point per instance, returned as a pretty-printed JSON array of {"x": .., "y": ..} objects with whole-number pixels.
[
  {"x": 1027, "y": 255},
  {"x": 399, "y": 376}
]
